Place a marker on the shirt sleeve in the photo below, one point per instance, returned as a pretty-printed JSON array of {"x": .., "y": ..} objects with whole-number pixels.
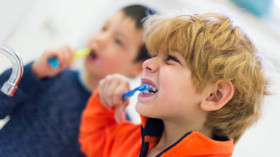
[
  {"x": 101, "y": 135},
  {"x": 28, "y": 88}
]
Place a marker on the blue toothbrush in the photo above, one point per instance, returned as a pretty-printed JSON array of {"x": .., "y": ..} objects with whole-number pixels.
[{"x": 131, "y": 92}]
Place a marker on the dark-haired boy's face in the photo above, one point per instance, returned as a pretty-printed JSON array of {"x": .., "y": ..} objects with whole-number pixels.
[{"x": 115, "y": 47}]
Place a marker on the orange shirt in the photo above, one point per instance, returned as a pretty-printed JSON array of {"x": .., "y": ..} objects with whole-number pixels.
[{"x": 101, "y": 136}]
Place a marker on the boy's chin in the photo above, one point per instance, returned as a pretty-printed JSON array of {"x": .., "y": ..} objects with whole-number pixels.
[{"x": 144, "y": 110}]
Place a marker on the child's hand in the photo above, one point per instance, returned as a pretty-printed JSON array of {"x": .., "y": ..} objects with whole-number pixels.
[
  {"x": 64, "y": 54},
  {"x": 111, "y": 89}
]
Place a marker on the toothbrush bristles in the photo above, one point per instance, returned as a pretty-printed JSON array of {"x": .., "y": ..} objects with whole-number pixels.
[{"x": 150, "y": 89}]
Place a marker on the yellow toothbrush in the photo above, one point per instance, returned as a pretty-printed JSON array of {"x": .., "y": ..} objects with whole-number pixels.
[
  {"x": 82, "y": 53},
  {"x": 53, "y": 61}
]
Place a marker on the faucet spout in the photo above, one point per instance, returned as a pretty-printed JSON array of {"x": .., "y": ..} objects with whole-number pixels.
[{"x": 10, "y": 86}]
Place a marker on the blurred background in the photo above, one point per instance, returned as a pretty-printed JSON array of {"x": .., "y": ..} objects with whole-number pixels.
[{"x": 32, "y": 26}]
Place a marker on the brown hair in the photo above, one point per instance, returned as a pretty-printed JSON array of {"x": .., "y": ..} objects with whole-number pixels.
[
  {"x": 138, "y": 13},
  {"x": 214, "y": 49}
]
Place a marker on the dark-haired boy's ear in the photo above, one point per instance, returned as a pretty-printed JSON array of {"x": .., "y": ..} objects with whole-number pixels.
[
  {"x": 135, "y": 69},
  {"x": 217, "y": 95}
]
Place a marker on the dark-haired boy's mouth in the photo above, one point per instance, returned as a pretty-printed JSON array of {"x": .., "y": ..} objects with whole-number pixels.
[{"x": 93, "y": 55}]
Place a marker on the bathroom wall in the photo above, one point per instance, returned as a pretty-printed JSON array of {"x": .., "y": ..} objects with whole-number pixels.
[{"x": 32, "y": 26}]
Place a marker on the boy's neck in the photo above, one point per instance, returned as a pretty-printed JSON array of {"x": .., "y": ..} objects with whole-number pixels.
[
  {"x": 90, "y": 81},
  {"x": 174, "y": 131}
]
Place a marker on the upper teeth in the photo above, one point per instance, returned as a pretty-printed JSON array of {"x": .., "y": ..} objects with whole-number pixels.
[{"x": 150, "y": 90}]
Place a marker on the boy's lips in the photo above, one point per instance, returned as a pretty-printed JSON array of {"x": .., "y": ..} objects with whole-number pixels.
[{"x": 93, "y": 55}]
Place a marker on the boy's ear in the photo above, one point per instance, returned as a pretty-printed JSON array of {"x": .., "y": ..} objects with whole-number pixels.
[
  {"x": 135, "y": 69},
  {"x": 217, "y": 95}
]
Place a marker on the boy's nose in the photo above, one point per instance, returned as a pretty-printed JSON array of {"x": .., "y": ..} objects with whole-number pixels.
[
  {"x": 100, "y": 39},
  {"x": 150, "y": 65}
]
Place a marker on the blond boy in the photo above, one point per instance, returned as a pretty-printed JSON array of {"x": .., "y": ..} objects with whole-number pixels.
[{"x": 208, "y": 86}]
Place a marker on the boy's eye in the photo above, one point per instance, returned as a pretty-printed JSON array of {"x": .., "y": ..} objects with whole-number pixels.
[
  {"x": 104, "y": 28},
  {"x": 118, "y": 41},
  {"x": 170, "y": 58}
]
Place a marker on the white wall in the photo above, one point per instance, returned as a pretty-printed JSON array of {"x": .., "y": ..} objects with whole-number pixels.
[{"x": 31, "y": 26}]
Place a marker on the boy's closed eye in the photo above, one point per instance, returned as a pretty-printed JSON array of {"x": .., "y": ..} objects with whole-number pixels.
[
  {"x": 105, "y": 27},
  {"x": 170, "y": 59}
]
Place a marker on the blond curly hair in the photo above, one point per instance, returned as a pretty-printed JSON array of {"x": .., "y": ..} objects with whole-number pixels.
[{"x": 214, "y": 49}]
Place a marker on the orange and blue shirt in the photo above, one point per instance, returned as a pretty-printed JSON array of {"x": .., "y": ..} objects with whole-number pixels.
[{"x": 102, "y": 136}]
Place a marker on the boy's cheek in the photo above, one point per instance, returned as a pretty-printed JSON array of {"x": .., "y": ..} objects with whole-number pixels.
[{"x": 112, "y": 65}]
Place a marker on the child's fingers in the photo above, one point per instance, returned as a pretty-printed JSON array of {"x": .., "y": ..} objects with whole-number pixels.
[
  {"x": 120, "y": 114},
  {"x": 71, "y": 53},
  {"x": 117, "y": 95},
  {"x": 125, "y": 102},
  {"x": 113, "y": 92},
  {"x": 111, "y": 89},
  {"x": 102, "y": 97},
  {"x": 105, "y": 92},
  {"x": 119, "y": 89},
  {"x": 63, "y": 57},
  {"x": 63, "y": 54}
]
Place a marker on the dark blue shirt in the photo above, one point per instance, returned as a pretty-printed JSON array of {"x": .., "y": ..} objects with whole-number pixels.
[{"x": 44, "y": 116}]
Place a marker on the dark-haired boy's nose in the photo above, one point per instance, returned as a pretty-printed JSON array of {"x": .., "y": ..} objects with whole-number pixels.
[{"x": 101, "y": 39}]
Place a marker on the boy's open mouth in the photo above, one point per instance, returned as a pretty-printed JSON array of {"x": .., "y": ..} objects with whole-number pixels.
[
  {"x": 93, "y": 55},
  {"x": 151, "y": 90}
]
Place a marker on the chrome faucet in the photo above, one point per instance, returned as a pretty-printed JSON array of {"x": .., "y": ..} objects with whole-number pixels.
[{"x": 10, "y": 86}]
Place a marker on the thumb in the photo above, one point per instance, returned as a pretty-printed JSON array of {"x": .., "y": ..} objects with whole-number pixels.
[{"x": 120, "y": 114}]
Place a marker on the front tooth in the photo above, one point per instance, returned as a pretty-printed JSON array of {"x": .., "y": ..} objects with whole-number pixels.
[{"x": 146, "y": 92}]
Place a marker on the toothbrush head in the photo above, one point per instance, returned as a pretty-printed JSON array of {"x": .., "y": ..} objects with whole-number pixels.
[
  {"x": 131, "y": 92},
  {"x": 142, "y": 87}
]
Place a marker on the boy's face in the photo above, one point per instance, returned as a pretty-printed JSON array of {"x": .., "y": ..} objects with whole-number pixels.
[
  {"x": 115, "y": 47},
  {"x": 176, "y": 96}
]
